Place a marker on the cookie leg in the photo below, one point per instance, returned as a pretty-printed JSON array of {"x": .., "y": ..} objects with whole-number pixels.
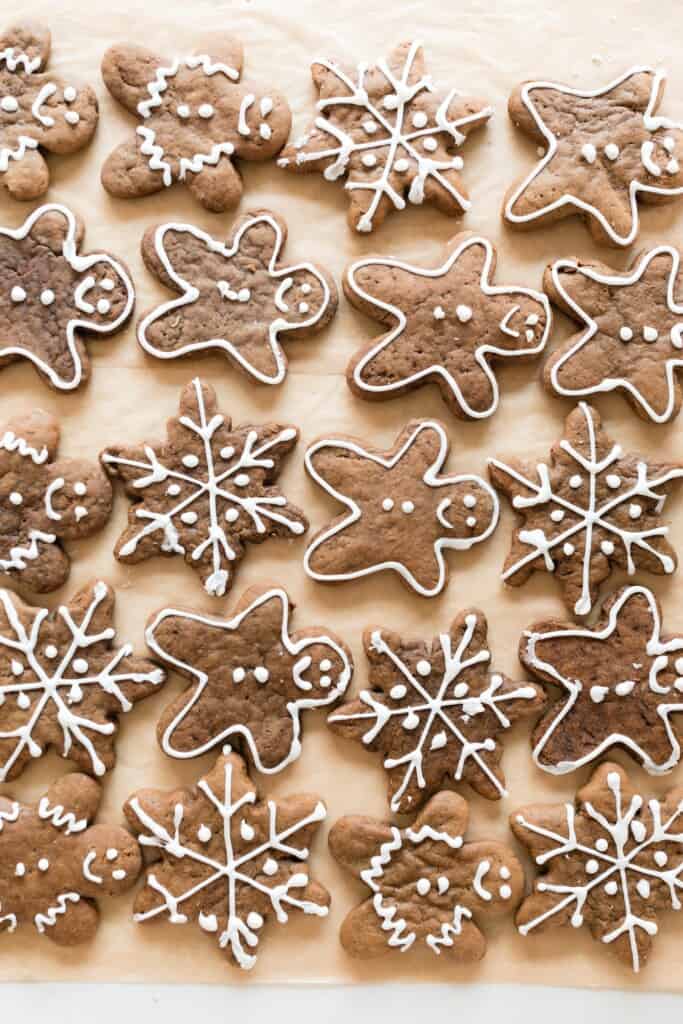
[
  {"x": 27, "y": 178},
  {"x": 77, "y": 924},
  {"x": 217, "y": 188},
  {"x": 126, "y": 173}
]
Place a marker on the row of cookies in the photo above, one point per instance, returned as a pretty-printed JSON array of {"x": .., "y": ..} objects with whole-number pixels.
[{"x": 386, "y": 129}]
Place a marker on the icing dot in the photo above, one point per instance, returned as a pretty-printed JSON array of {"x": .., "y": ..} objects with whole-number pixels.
[
  {"x": 635, "y": 510},
  {"x": 673, "y": 166},
  {"x": 643, "y": 888},
  {"x": 398, "y": 691},
  {"x": 442, "y": 884},
  {"x": 9, "y": 104},
  {"x": 80, "y": 665},
  {"x": 613, "y": 481},
  {"x": 204, "y": 833},
  {"x": 575, "y": 481},
  {"x": 505, "y": 892},
  {"x": 112, "y": 854},
  {"x": 607, "y": 547},
  {"x": 401, "y": 165},
  {"x": 370, "y": 127},
  {"x": 51, "y": 651},
  {"x": 592, "y": 867},
  {"x": 611, "y": 151},
  {"x": 173, "y": 490},
  {"x": 471, "y": 521},
  {"x": 463, "y": 313},
  {"x": 625, "y": 333},
  {"x": 325, "y": 681},
  {"x": 69, "y": 94},
  {"x": 241, "y": 480},
  {"x": 325, "y": 665},
  {"x": 43, "y": 864},
  {"x": 661, "y": 858},
  {"x": 20, "y": 870},
  {"x": 423, "y": 886},
  {"x": 23, "y": 701},
  {"x": 419, "y": 119},
  {"x": 601, "y": 845},
  {"x": 189, "y": 517},
  {"x": 303, "y": 307},
  {"x": 205, "y": 110},
  {"x": 568, "y": 548},
  {"x": 504, "y": 872},
  {"x": 368, "y": 159},
  {"x": 589, "y": 152},
  {"x": 611, "y": 888},
  {"x": 557, "y": 515},
  {"x": 118, "y": 874},
  {"x": 423, "y": 667},
  {"x": 238, "y": 675},
  {"x": 387, "y": 504},
  {"x": 460, "y": 690},
  {"x": 17, "y": 294},
  {"x": 407, "y": 507},
  {"x": 261, "y": 674},
  {"x": 227, "y": 452},
  {"x": 17, "y": 668},
  {"x": 232, "y": 515},
  {"x": 270, "y": 867},
  {"x": 306, "y": 288},
  {"x": 71, "y": 117},
  {"x": 246, "y": 831},
  {"x": 254, "y": 920},
  {"x": 80, "y": 488},
  {"x": 47, "y": 297},
  {"x": 430, "y": 143},
  {"x": 438, "y": 313},
  {"x": 15, "y": 498},
  {"x": 469, "y": 501},
  {"x": 191, "y": 461},
  {"x": 458, "y": 163},
  {"x": 411, "y": 721},
  {"x": 103, "y": 306},
  {"x": 650, "y": 334}
]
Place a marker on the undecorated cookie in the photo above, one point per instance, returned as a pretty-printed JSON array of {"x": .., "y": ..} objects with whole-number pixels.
[{"x": 226, "y": 859}]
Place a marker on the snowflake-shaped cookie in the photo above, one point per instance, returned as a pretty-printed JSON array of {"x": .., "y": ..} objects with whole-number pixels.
[
  {"x": 435, "y": 711},
  {"x": 50, "y": 294},
  {"x": 206, "y": 492},
  {"x": 390, "y": 133},
  {"x": 62, "y": 682},
  {"x": 427, "y": 884},
  {"x": 594, "y": 508},
  {"x": 228, "y": 860},
  {"x": 614, "y": 862},
  {"x": 250, "y": 678},
  {"x": 606, "y": 148},
  {"x": 44, "y": 501},
  {"x": 235, "y": 297},
  {"x": 196, "y": 117},
  {"x": 401, "y": 514},
  {"x": 632, "y": 331},
  {"x": 54, "y": 863},
  {"x": 622, "y": 682},
  {"x": 37, "y": 110},
  {"x": 447, "y": 325}
]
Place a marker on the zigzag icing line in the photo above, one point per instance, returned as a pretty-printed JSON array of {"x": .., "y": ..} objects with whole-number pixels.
[{"x": 160, "y": 81}]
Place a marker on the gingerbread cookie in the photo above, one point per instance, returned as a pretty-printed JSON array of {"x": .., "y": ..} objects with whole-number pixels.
[
  {"x": 54, "y": 863},
  {"x": 426, "y": 883},
  {"x": 595, "y": 508},
  {"x": 435, "y": 711},
  {"x": 196, "y": 118},
  {"x": 631, "y": 331},
  {"x": 447, "y": 324},
  {"x": 613, "y": 862},
  {"x": 62, "y": 682},
  {"x": 622, "y": 684},
  {"x": 206, "y": 492},
  {"x": 401, "y": 513},
  {"x": 250, "y": 678},
  {"x": 603, "y": 150},
  {"x": 51, "y": 294},
  {"x": 45, "y": 501},
  {"x": 235, "y": 297},
  {"x": 37, "y": 111},
  {"x": 227, "y": 859},
  {"x": 390, "y": 133}
]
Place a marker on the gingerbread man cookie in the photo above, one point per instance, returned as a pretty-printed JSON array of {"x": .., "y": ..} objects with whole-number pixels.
[
  {"x": 196, "y": 118},
  {"x": 390, "y": 133},
  {"x": 603, "y": 150},
  {"x": 50, "y": 294},
  {"x": 62, "y": 682},
  {"x": 613, "y": 862},
  {"x": 435, "y": 711},
  {"x": 447, "y": 324},
  {"x": 250, "y": 678},
  {"x": 226, "y": 858},
  {"x": 631, "y": 331},
  {"x": 37, "y": 111},
  {"x": 206, "y": 492},
  {"x": 401, "y": 513},
  {"x": 45, "y": 501},
  {"x": 54, "y": 863},
  {"x": 235, "y": 297},
  {"x": 594, "y": 509},
  {"x": 426, "y": 884}
]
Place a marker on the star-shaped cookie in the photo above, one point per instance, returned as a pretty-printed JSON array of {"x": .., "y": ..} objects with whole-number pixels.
[
  {"x": 632, "y": 331},
  {"x": 605, "y": 149},
  {"x": 401, "y": 514},
  {"x": 235, "y": 297},
  {"x": 448, "y": 324}
]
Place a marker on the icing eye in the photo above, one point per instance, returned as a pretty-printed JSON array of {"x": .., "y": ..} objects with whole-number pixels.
[
  {"x": 9, "y": 104},
  {"x": 69, "y": 94},
  {"x": 183, "y": 110}
]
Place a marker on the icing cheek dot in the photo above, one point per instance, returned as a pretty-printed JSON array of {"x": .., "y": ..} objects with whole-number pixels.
[
  {"x": 118, "y": 874},
  {"x": 625, "y": 333},
  {"x": 419, "y": 119},
  {"x": 9, "y": 104},
  {"x": 69, "y": 94},
  {"x": 471, "y": 521},
  {"x": 388, "y": 504},
  {"x": 103, "y": 306},
  {"x": 407, "y": 507},
  {"x": 71, "y": 117},
  {"x": 205, "y": 110},
  {"x": 183, "y": 111},
  {"x": 575, "y": 481},
  {"x": 423, "y": 668},
  {"x": 505, "y": 892},
  {"x": 111, "y": 854},
  {"x": 47, "y": 297},
  {"x": 80, "y": 488},
  {"x": 463, "y": 313},
  {"x": 190, "y": 461},
  {"x": 303, "y": 307},
  {"x": 611, "y": 151},
  {"x": 650, "y": 334},
  {"x": 589, "y": 152},
  {"x": 423, "y": 886}
]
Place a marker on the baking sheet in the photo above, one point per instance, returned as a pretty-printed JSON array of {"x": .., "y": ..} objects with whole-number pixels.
[{"x": 483, "y": 48}]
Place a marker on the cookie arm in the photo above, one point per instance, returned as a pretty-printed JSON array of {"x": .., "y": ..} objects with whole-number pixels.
[
  {"x": 27, "y": 178},
  {"x": 126, "y": 173}
]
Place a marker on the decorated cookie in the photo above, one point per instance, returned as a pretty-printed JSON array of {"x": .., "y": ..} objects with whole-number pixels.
[
  {"x": 45, "y": 501},
  {"x": 593, "y": 509},
  {"x": 63, "y": 684},
  {"x": 226, "y": 858},
  {"x": 250, "y": 678},
  {"x": 401, "y": 514},
  {"x": 427, "y": 885},
  {"x": 390, "y": 133},
  {"x": 235, "y": 297},
  {"x": 621, "y": 684},
  {"x": 631, "y": 331},
  {"x": 196, "y": 117},
  {"x": 613, "y": 862},
  {"x": 447, "y": 324},
  {"x": 50, "y": 295},
  {"x": 54, "y": 863},
  {"x": 603, "y": 150},
  {"x": 206, "y": 492},
  {"x": 435, "y": 711},
  {"x": 37, "y": 111}
]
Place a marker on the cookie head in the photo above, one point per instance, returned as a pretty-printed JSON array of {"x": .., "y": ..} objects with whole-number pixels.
[
  {"x": 111, "y": 860},
  {"x": 662, "y": 157},
  {"x": 302, "y": 298},
  {"x": 527, "y": 322},
  {"x": 103, "y": 295},
  {"x": 78, "y": 498},
  {"x": 67, "y": 116},
  {"x": 467, "y": 509},
  {"x": 321, "y": 669}
]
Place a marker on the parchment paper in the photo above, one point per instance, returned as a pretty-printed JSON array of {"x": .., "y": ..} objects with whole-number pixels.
[{"x": 483, "y": 48}]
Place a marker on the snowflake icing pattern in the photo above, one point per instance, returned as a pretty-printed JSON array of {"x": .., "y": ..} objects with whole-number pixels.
[
  {"x": 228, "y": 858},
  {"x": 390, "y": 134},
  {"x": 207, "y": 490}
]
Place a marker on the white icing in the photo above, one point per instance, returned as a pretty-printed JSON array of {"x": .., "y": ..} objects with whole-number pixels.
[{"x": 87, "y": 868}]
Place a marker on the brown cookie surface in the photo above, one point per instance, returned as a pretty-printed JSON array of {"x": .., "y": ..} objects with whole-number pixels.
[
  {"x": 390, "y": 133},
  {"x": 435, "y": 711},
  {"x": 613, "y": 862},
  {"x": 38, "y": 110},
  {"x": 54, "y": 863},
  {"x": 227, "y": 859},
  {"x": 196, "y": 117},
  {"x": 427, "y": 885},
  {"x": 207, "y": 491}
]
